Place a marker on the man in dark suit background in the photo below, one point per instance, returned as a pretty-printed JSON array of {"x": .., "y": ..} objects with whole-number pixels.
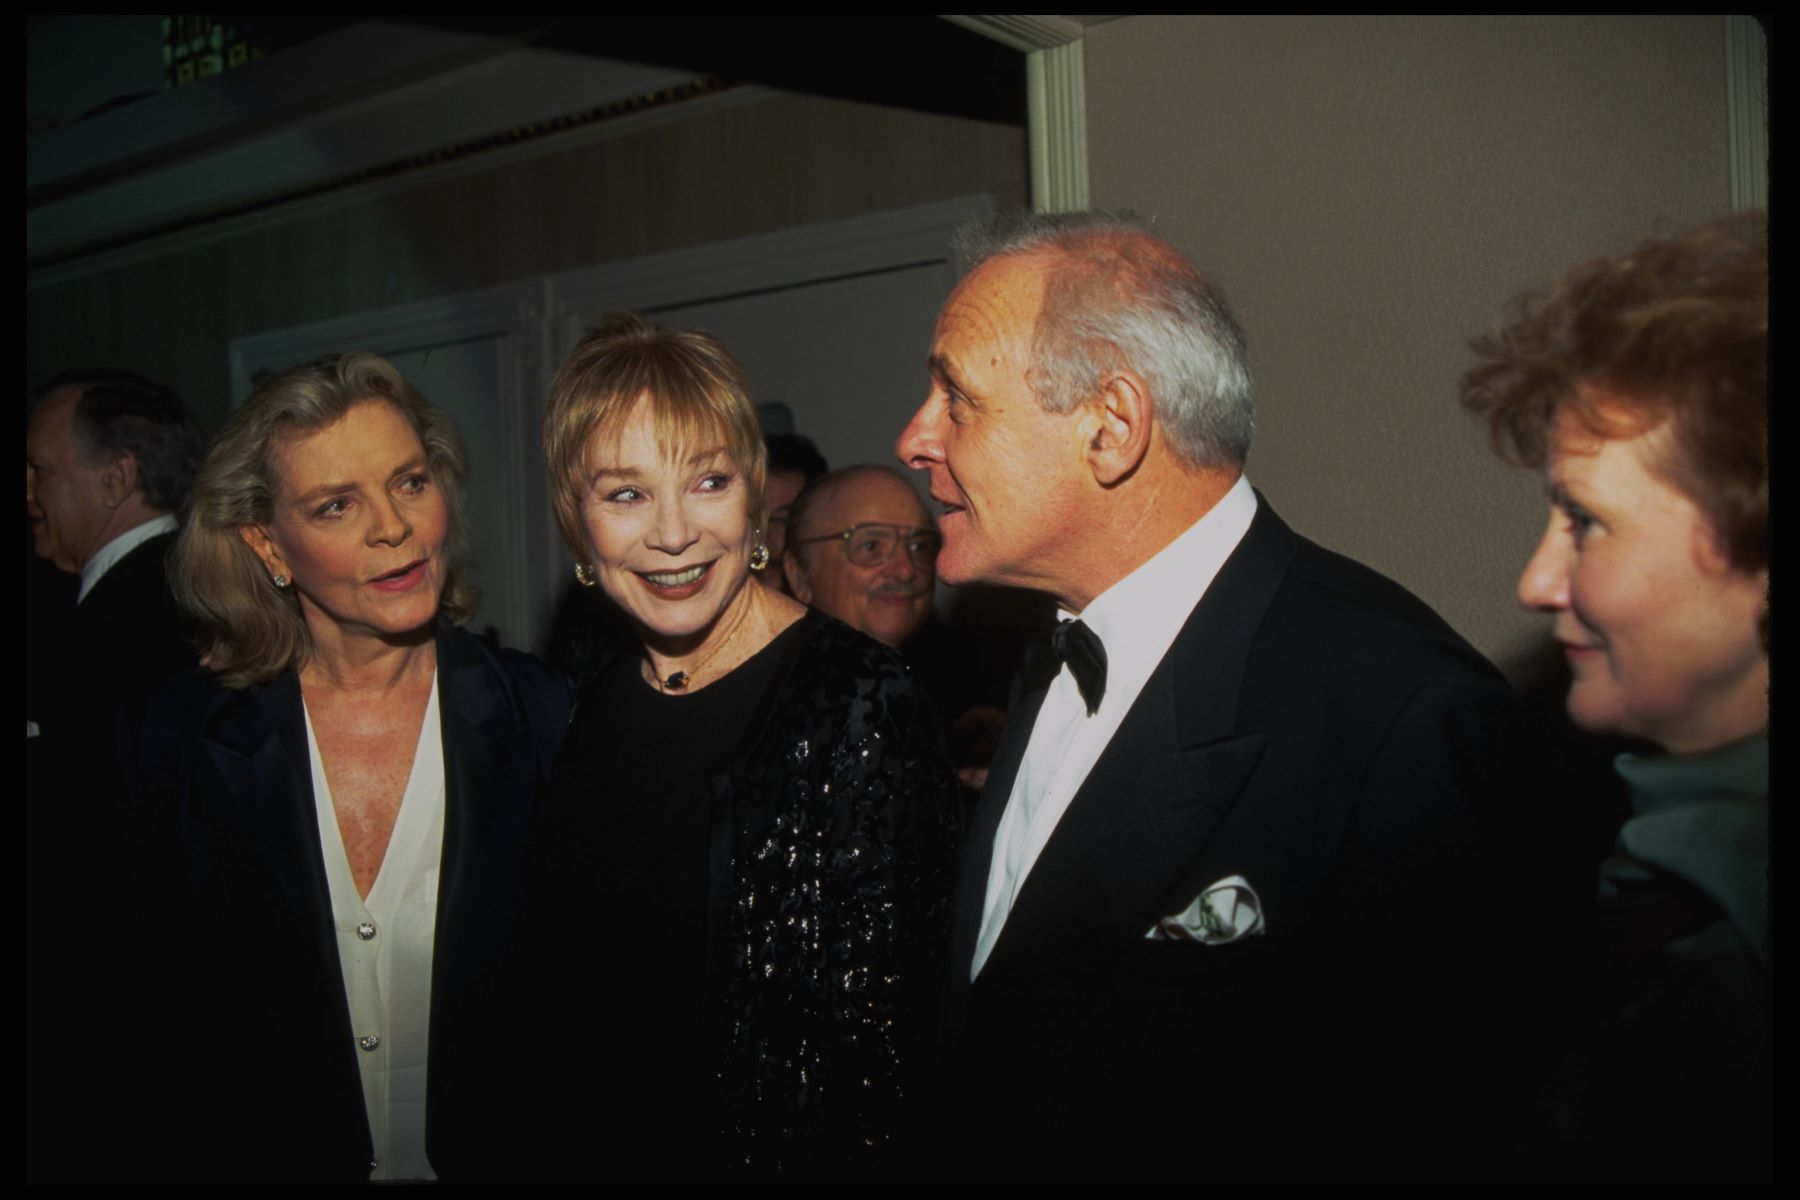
[
  {"x": 109, "y": 458},
  {"x": 1250, "y": 892}
]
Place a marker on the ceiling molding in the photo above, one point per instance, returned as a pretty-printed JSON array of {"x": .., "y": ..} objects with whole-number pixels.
[
  {"x": 1023, "y": 33},
  {"x": 324, "y": 74},
  {"x": 237, "y": 142},
  {"x": 519, "y": 146}
]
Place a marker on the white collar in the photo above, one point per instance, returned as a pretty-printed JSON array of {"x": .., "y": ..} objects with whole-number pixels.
[
  {"x": 1137, "y": 618},
  {"x": 108, "y": 556}
]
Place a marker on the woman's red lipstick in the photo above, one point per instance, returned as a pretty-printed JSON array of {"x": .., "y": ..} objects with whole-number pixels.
[
  {"x": 679, "y": 591},
  {"x": 403, "y": 580}
]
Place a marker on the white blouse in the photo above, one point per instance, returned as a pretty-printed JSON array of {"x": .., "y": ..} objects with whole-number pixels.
[{"x": 385, "y": 947}]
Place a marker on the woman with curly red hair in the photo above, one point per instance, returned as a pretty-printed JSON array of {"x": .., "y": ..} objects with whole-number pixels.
[{"x": 1639, "y": 386}]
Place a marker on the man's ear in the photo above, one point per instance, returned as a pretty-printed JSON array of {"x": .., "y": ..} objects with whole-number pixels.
[
  {"x": 1121, "y": 416},
  {"x": 258, "y": 539},
  {"x": 118, "y": 479},
  {"x": 796, "y": 577}
]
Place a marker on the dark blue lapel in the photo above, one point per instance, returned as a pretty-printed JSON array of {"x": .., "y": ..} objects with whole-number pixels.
[
  {"x": 258, "y": 749},
  {"x": 490, "y": 778},
  {"x": 257, "y": 746},
  {"x": 1153, "y": 800},
  {"x": 263, "y": 811}
]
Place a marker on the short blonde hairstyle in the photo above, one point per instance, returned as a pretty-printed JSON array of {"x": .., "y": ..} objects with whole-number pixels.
[
  {"x": 252, "y": 630},
  {"x": 696, "y": 392}
]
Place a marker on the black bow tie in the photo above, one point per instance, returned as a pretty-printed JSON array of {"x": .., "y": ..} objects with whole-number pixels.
[{"x": 1077, "y": 646}]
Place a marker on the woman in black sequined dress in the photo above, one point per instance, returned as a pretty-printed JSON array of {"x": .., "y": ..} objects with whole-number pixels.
[{"x": 740, "y": 880}]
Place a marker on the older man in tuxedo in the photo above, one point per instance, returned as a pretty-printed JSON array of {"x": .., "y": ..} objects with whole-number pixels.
[{"x": 1241, "y": 897}]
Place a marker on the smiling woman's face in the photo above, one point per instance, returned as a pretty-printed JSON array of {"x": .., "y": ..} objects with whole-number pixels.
[
  {"x": 1661, "y": 632},
  {"x": 670, "y": 535}
]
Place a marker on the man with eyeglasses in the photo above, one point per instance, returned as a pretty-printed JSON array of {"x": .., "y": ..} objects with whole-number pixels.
[{"x": 863, "y": 548}]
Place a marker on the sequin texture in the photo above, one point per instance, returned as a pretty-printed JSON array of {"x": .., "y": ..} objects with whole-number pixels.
[{"x": 844, "y": 830}]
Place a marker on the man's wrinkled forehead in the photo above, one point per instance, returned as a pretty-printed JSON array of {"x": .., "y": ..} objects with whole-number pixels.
[{"x": 996, "y": 305}]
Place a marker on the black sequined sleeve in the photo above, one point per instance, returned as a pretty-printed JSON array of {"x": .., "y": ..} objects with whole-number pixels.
[{"x": 839, "y": 929}]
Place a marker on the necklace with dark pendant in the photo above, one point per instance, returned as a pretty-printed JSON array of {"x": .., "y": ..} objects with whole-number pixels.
[{"x": 677, "y": 681}]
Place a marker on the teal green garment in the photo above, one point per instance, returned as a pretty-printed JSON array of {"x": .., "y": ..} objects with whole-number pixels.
[{"x": 1705, "y": 819}]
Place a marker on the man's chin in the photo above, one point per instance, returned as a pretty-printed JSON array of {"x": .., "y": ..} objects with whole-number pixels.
[
  {"x": 43, "y": 548},
  {"x": 955, "y": 569}
]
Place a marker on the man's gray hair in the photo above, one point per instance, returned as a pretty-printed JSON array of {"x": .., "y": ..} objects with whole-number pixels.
[{"x": 1119, "y": 296}]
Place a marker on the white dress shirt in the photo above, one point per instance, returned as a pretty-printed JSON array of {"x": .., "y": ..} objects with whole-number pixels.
[
  {"x": 385, "y": 947},
  {"x": 108, "y": 556},
  {"x": 1136, "y": 620}
]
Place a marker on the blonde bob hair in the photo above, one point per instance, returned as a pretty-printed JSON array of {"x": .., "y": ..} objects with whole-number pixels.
[
  {"x": 696, "y": 394},
  {"x": 252, "y": 630}
]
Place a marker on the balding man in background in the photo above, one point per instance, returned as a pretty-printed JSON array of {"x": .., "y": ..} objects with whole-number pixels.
[{"x": 864, "y": 550}]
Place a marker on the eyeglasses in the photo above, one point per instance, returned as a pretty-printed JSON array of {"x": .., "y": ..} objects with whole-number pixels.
[{"x": 872, "y": 545}]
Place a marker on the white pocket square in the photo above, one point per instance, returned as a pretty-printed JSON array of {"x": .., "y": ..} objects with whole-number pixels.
[{"x": 1225, "y": 912}]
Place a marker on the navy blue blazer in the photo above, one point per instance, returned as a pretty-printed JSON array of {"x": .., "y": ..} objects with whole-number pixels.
[{"x": 254, "y": 1066}]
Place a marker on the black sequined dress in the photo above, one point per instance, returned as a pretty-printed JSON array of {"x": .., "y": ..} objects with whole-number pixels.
[{"x": 739, "y": 903}]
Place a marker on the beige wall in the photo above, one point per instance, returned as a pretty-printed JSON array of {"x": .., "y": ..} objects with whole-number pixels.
[
  {"x": 1372, "y": 192},
  {"x": 726, "y": 172}
]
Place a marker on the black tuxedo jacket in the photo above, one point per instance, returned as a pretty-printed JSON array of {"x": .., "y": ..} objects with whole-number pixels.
[
  {"x": 257, "y": 1076},
  {"x": 86, "y": 664},
  {"x": 117, "y": 645},
  {"x": 1318, "y": 731}
]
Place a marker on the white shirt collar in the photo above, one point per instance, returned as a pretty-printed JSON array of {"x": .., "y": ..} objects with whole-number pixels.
[
  {"x": 1138, "y": 617},
  {"x": 108, "y": 556}
]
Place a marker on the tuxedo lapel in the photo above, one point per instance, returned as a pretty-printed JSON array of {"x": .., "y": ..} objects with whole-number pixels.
[
  {"x": 1159, "y": 791},
  {"x": 1146, "y": 810},
  {"x": 978, "y": 849}
]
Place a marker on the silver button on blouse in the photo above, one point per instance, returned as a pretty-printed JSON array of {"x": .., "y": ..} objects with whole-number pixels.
[
  {"x": 369, "y": 1041},
  {"x": 366, "y": 931}
]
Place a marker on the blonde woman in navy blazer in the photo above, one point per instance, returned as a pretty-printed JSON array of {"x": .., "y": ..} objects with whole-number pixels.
[{"x": 321, "y": 556}]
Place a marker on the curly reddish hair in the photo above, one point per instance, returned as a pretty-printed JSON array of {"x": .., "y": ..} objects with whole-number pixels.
[{"x": 1674, "y": 332}]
